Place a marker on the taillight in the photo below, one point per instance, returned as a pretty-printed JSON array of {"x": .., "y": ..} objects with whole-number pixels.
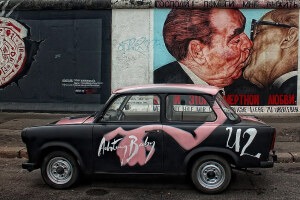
[{"x": 273, "y": 140}]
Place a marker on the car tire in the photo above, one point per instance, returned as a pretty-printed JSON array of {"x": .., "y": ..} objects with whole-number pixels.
[
  {"x": 60, "y": 170},
  {"x": 211, "y": 174}
]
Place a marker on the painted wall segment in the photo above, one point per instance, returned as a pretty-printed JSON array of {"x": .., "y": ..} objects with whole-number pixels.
[
  {"x": 65, "y": 52},
  {"x": 60, "y": 5},
  {"x": 226, "y": 4},
  {"x": 142, "y": 4},
  {"x": 255, "y": 75},
  {"x": 132, "y": 4},
  {"x": 261, "y": 74},
  {"x": 132, "y": 47}
]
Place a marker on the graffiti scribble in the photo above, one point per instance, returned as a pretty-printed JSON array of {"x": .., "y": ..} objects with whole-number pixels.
[
  {"x": 12, "y": 46},
  {"x": 16, "y": 49},
  {"x": 4, "y": 8},
  {"x": 140, "y": 45}
]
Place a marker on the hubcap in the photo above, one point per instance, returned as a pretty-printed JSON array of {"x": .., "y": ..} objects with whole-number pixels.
[
  {"x": 211, "y": 175},
  {"x": 59, "y": 170}
]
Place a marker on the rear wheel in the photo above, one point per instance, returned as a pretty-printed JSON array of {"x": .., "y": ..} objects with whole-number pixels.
[
  {"x": 211, "y": 174},
  {"x": 60, "y": 170}
]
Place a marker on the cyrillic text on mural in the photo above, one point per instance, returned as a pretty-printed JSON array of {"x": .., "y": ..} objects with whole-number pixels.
[{"x": 226, "y": 4}]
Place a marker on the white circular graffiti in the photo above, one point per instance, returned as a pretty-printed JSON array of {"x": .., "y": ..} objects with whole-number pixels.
[{"x": 12, "y": 49}]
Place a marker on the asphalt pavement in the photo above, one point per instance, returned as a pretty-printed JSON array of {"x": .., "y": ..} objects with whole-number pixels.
[{"x": 287, "y": 144}]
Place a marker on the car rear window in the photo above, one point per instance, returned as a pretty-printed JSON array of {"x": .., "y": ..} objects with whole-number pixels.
[{"x": 192, "y": 108}]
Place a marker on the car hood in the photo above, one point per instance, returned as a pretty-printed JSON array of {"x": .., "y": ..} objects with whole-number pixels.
[{"x": 83, "y": 119}]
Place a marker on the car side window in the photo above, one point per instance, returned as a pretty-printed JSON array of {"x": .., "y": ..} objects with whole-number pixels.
[
  {"x": 190, "y": 108},
  {"x": 134, "y": 108}
]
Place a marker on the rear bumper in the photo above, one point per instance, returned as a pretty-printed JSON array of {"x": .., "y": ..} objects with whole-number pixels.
[
  {"x": 266, "y": 164},
  {"x": 29, "y": 166},
  {"x": 270, "y": 162}
]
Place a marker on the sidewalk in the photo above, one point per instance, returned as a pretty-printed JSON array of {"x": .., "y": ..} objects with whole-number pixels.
[
  {"x": 287, "y": 144},
  {"x": 11, "y": 125}
]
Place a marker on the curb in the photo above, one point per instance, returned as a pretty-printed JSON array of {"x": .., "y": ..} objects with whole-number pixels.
[
  {"x": 290, "y": 157},
  {"x": 21, "y": 152},
  {"x": 13, "y": 152}
]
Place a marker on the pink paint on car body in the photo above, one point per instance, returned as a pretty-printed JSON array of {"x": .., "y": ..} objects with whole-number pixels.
[
  {"x": 252, "y": 118},
  {"x": 76, "y": 120},
  {"x": 186, "y": 140},
  {"x": 142, "y": 154},
  {"x": 129, "y": 153},
  {"x": 197, "y": 88}
]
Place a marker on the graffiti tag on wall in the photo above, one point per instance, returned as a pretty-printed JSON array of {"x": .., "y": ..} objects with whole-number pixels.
[
  {"x": 12, "y": 49},
  {"x": 13, "y": 56}
]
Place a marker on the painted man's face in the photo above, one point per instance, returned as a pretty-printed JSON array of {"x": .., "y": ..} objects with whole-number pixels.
[
  {"x": 266, "y": 53},
  {"x": 229, "y": 48}
]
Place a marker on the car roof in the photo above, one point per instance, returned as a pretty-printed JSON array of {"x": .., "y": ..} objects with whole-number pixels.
[{"x": 169, "y": 88}]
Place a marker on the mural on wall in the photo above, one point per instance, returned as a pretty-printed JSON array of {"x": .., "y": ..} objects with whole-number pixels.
[
  {"x": 12, "y": 48},
  {"x": 251, "y": 54},
  {"x": 15, "y": 58}
]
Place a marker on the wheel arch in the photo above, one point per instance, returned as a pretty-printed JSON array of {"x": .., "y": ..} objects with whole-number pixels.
[
  {"x": 228, "y": 155},
  {"x": 60, "y": 146}
]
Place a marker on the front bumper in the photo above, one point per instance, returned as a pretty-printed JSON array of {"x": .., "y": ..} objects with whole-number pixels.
[{"x": 29, "y": 166}]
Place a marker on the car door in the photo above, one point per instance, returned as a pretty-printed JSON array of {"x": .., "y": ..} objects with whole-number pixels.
[
  {"x": 189, "y": 120},
  {"x": 128, "y": 137}
]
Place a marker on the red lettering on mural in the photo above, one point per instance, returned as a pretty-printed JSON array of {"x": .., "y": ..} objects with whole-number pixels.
[
  {"x": 242, "y": 99},
  {"x": 281, "y": 99},
  {"x": 176, "y": 100},
  {"x": 189, "y": 100},
  {"x": 197, "y": 100},
  {"x": 14, "y": 26}
]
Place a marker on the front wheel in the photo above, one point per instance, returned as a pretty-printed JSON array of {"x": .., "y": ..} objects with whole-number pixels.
[
  {"x": 60, "y": 170},
  {"x": 211, "y": 174}
]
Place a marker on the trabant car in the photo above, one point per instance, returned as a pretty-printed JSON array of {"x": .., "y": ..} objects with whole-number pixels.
[{"x": 153, "y": 129}]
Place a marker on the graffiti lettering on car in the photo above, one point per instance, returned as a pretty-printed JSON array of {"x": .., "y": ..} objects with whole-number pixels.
[
  {"x": 236, "y": 145},
  {"x": 131, "y": 149},
  {"x": 128, "y": 150}
]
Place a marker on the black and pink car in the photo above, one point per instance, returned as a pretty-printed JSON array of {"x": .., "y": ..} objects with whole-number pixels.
[{"x": 163, "y": 129}]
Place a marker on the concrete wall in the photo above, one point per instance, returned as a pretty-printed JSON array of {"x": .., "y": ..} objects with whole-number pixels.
[
  {"x": 54, "y": 59},
  {"x": 130, "y": 48}
]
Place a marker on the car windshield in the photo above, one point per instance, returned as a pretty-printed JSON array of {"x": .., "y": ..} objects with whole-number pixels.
[{"x": 230, "y": 113}]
